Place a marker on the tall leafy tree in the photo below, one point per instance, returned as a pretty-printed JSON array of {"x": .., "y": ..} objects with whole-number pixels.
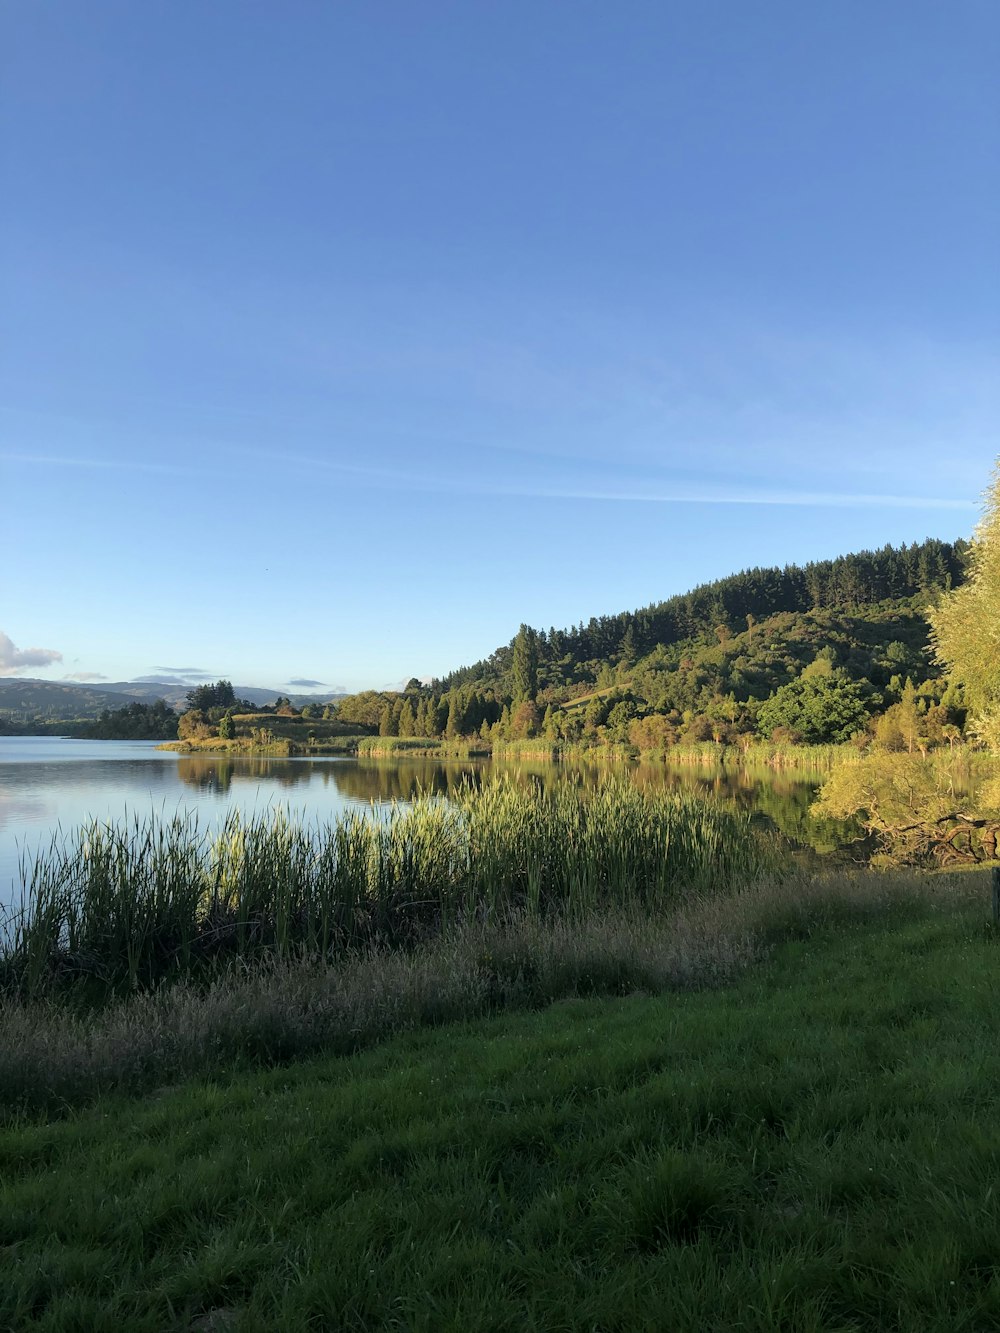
[{"x": 965, "y": 625}]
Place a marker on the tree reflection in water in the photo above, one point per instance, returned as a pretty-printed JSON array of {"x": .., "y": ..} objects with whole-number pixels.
[{"x": 780, "y": 798}]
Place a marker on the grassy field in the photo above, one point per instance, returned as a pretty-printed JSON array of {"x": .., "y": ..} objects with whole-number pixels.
[{"x": 813, "y": 1147}]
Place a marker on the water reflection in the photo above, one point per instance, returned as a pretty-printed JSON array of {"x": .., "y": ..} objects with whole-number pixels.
[{"x": 779, "y": 798}]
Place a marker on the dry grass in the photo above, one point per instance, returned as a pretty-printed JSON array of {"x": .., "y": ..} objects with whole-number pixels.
[{"x": 271, "y": 1011}]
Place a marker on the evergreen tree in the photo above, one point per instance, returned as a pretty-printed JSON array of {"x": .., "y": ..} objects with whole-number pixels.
[
  {"x": 407, "y": 720},
  {"x": 629, "y": 653},
  {"x": 453, "y": 728},
  {"x": 524, "y": 666}
]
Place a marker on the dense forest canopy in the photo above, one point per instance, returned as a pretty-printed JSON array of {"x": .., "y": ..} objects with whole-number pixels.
[{"x": 848, "y": 583}]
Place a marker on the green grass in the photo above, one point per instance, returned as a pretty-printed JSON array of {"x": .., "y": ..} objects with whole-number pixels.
[{"x": 814, "y": 1148}]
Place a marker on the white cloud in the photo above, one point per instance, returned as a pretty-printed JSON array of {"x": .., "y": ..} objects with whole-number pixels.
[{"x": 14, "y": 659}]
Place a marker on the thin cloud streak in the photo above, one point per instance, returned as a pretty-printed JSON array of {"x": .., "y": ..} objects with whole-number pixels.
[
  {"x": 93, "y": 464},
  {"x": 748, "y": 497},
  {"x": 409, "y": 482},
  {"x": 796, "y": 498},
  {"x": 754, "y": 497}
]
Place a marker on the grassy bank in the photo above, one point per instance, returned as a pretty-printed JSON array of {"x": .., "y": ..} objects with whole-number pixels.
[
  {"x": 127, "y": 906},
  {"x": 279, "y": 749},
  {"x": 812, "y": 1148},
  {"x": 55, "y": 1054}
]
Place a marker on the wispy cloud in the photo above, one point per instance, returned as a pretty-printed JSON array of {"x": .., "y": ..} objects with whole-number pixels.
[
  {"x": 655, "y": 493},
  {"x": 84, "y": 677},
  {"x": 14, "y": 659},
  {"x": 303, "y": 684},
  {"x": 184, "y": 671},
  {"x": 165, "y": 678},
  {"x": 814, "y": 499},
  {"x": 93, "y": 464}
]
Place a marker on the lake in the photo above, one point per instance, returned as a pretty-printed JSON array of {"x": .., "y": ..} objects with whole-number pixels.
[{"x": 49, "y": 784}]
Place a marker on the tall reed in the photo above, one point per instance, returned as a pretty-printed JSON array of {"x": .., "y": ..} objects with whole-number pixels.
[{"x": 126, "y": 906}]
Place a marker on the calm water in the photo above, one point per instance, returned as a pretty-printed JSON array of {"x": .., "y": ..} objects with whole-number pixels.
[{"x": 47, "y": 784}]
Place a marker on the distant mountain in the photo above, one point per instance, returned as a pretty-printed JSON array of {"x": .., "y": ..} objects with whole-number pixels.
[{"x": 25, "y": 700}]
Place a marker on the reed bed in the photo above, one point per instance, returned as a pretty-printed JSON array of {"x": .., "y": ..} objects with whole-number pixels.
[{"x": 124, "y": 907}]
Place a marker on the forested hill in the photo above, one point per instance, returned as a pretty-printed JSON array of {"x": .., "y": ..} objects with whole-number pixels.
[{"x": 850, "y": 583}]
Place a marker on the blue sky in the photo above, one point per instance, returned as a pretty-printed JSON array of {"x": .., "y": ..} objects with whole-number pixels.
[{"x": 339, "y": 339}]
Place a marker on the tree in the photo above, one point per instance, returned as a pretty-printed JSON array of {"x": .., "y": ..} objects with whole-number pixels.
[
  {"x": 454, "y": 725},
  {"x": 629, "y": 652},
  {"x": 193, "y": 726},
  {"x": 219, "y": 695},
  {"x": 524, "y": 666},
  {"x": 407, "y": 720},
  {"x": 821, "y": 708},
  {"x": 965, "y": 626},
  {"x": 525, "y": 720},
  {"x": 914, "y": 808},
  {"x": 227, "y": 729},
  {"x": 155, "y": 721}
]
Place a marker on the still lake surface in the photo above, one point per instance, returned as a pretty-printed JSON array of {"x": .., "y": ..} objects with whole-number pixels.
[{"x": 51, "y": 786}]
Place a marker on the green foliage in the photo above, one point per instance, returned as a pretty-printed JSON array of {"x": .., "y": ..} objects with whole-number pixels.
[
  {"x": 220, "y": 695},
  {"x": 136, "y": 721},
  {"x": 920, "y": 810},
  {"x": 966, "y": 624},
  {"x": 524, "y": 667},
  {"x": 848, "y": 585},
  {"x": 819, "y": 708},
  {"x": 364, "y": 709},
  {"x": 195, "y": 726}
]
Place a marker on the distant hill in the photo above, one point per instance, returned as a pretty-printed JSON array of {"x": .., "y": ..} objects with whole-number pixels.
[
  {"x": 890, "y": 579},
  {"x": 25, "y": 700}
]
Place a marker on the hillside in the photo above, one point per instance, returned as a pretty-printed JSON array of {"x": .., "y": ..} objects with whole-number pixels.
[
  {"x": 808, "y": 653},
  {"x": 890, "y": 577},
  {"x": 702, "y": 665}
]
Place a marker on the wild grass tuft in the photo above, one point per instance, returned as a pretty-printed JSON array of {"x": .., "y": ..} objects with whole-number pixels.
[{"x": 123, "y": 907}]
